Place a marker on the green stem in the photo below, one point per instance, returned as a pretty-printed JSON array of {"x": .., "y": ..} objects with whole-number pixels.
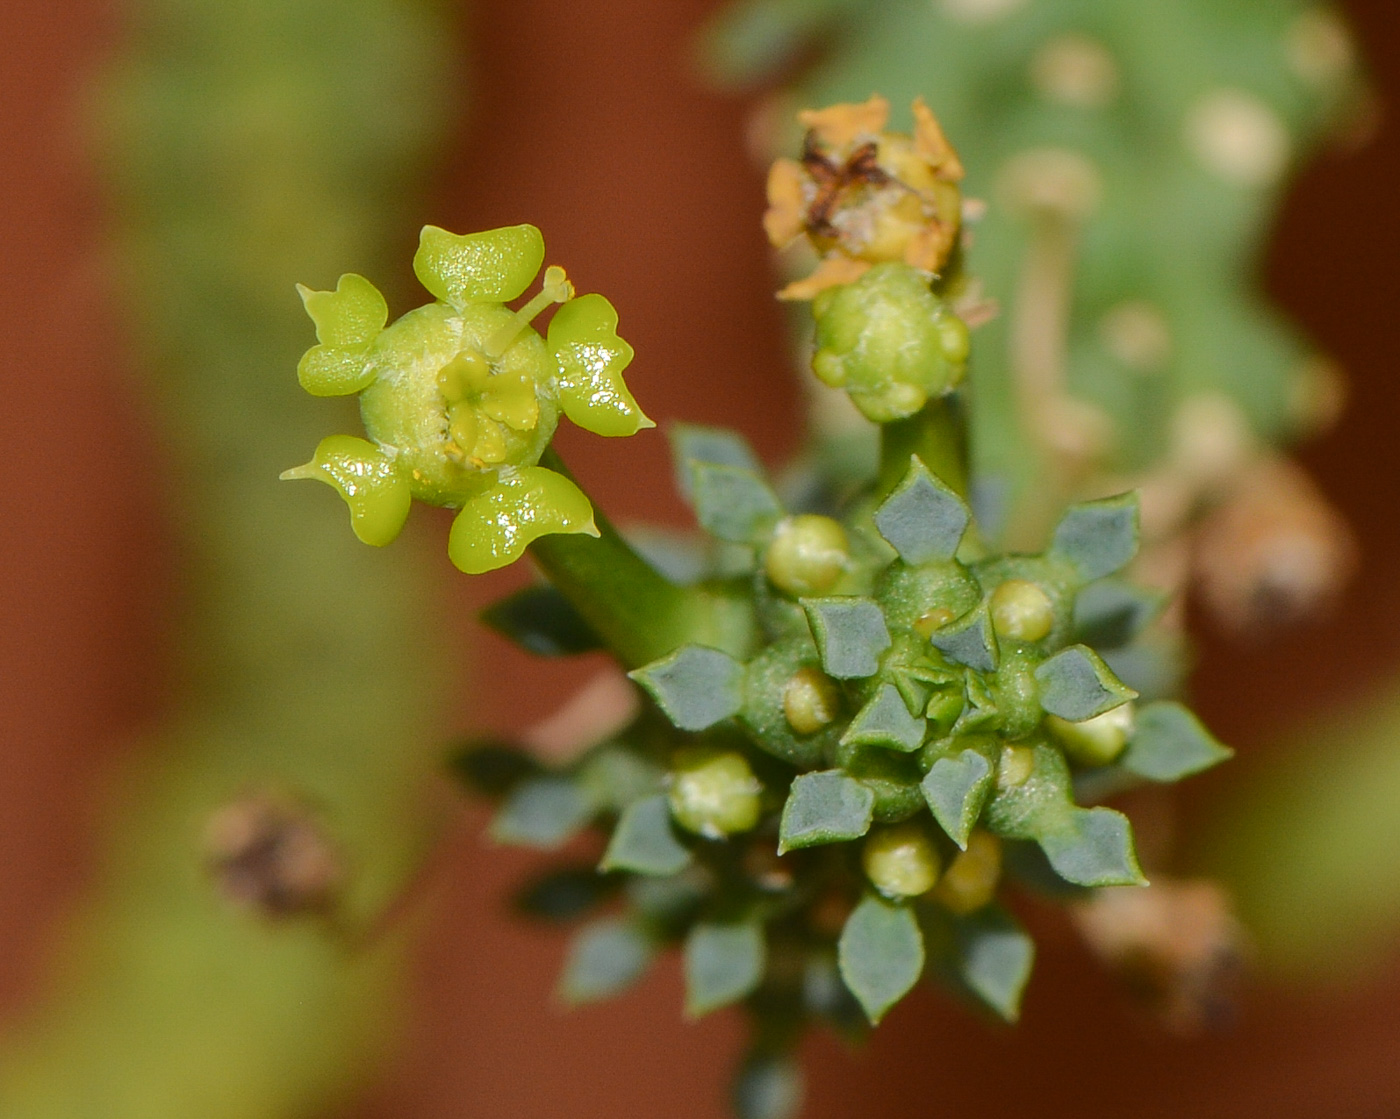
[
  {"x": 639, "y": 613},
  {"x": 937, "y": 434}
]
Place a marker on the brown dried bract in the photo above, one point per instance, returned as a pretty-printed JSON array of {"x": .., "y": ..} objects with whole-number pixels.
[{"x": 267, "y": 853}]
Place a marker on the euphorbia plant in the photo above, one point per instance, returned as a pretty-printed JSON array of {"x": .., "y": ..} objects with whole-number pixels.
[{"x": 864, "y": 726}]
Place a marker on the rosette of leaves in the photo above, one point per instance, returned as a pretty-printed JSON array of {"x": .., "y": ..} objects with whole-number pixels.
[{"x": 825, "y": 816}]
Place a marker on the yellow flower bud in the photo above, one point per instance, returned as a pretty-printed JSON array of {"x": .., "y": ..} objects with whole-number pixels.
[
  {"x": 808, "y": 554},
  {"x": 901, "y": 861},
  {"x": 970, "y": 881},
  {"x": 1095, "y": 741},
  {"x": 811, "y": 701},
  {"x": 1021, "y": 611},
  {"x": 714, "y": 794}
]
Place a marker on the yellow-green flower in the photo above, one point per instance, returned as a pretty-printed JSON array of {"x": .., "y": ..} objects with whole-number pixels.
[{"x": 461, "y": 397}]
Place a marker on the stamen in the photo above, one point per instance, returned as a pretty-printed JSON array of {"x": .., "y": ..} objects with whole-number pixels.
[{"x": 556, "y": 289}]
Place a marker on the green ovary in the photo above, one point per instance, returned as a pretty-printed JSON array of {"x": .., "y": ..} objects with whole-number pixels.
[
  {"x": 889, "y": 341},
  {"x": 449, "y": 417}
]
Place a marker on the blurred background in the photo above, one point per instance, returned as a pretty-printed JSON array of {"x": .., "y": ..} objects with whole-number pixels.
[{"x": 588, "y": 120}]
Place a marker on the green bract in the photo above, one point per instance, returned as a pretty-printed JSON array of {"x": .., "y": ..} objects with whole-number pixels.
[
  {"x": 460, "y": 398},
  {"x": 889, "y": 341}
]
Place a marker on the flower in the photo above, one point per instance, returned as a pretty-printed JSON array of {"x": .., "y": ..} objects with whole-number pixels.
[
  {"x": 461, "y": 397},
  {"x": 863, "y": 196}
]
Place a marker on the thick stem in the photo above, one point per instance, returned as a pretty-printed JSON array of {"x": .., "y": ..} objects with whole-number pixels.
[
  {"x": 937, "y": 434},
  {"x": 639, "y": 613}
]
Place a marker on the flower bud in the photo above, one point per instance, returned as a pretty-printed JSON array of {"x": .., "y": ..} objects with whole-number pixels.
[
  {"x": 1021, "y": 611},
  {"x": 970, "y": 881},
  {"x": 1095, "y": 741},
  {"x": 811, "y": 701},
  {"x": 808, "y": 554},
  {"x": 714, "y": 794},
  {"x": 901, "y": 861}
]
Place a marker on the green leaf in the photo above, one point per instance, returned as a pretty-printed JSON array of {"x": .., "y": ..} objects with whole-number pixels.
[
  {"x": 997, "y": 956},
  {"x": 695, "y": 686},
  {"x": 692, "y": 444},
  {"x": 734, "y": 503},
  {"x": 1075, "y": 684},
  {"x": 1098, "y": 538},
  {"x": 544, "y": 812},
  {"x": 1169, "y": 743},
  {"x": 979, "y": 709},
  {"x": 644, "y": 840},
  {"x": 564, "y": 894},
  {"x": 885, "y": 721},
  {"x": 881, "y": 953},
  {"x": 1111, "y": 613},
  {"x": 494, "y": 266},
  {"x": 1094, "y": 848},
  {"x": 542, "y": 621},
  {"x": 969, "y": 640},
  {"x": 604, "y": 960},
  {"x": 723, "y": 964},
  {"x": 613, "y": 776},
  {"x": 767, "y": 1087},
  {"x": 1036, "y": 805},
  {"x": 824, "y": 808},
  {"x": 956, "y": 788},
  {"x": 850, "y": 634},
  {"x": 922, "y": 519},
  {"x": 492, "y": 767}
]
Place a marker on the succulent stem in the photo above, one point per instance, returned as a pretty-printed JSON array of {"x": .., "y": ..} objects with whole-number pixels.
[
  {"x": 639, "y": 613},
  {"x": 937, "y": 433}
]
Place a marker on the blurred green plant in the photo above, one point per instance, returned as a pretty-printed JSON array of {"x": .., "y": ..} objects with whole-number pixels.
[{"x": 247, "y": 146}]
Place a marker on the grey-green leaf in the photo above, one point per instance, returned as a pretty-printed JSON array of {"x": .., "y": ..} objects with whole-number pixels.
[
  {"x": 696, "y": 687},
  {"x": 692, "y": 444},
  {"x": 768, "y": 1087},
  {"x": 605, "y": 959},
  {"x": 1094, "y": 848},
  {"x": 996, "y": 956},
  {"x": 1075, "y": 684},
  {"x": 850, "y": 634},
  {"x": 1098, "y": 538},
  {"x": 733, "y": 503},
  {"x": 542, "y": 621},
  {"x": 956, "y": 789},
  {"x": 969, "y": 640},
  {"x": 644, "y": 840},
  {"x": 543, "y": 812},
  {"x": 922, "y": 519},
  {"x": 723, "y": 963},
  {"x": 885, "y": 721},
  {"x": 824, "y": 808},
  {"x": 1169, "y": 743},
  {"x": 881, "y": 954},
  {"x": 1110, "y": 613}
]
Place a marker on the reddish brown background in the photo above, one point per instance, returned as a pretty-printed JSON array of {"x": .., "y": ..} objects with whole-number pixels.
[{"x": 660, "y": 211}]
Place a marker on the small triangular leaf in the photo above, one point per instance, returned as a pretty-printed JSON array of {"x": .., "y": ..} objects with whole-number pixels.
[
  {"x": 1110, "y": 613},
  {"x": 824, "y": 808},
  {"x": 969, "y": 641},
  {"x": 850, "y": 634},
  {"x": 979, "y": 707},
  {"x": 644, "y": 840},
  {"x": 696, "y": 687},
  {"x": 733, "y": 503},
  {"x": 542, "y": 621},
  {"x": 956, "y": 788},
  {"x": 543, "y": 812},
  {"x": 995, "y": 956},
  {"x": 922, "y": 519},
  {"x": 723, "y": 964},
  {"x": 881, "y": 954},
  {"x": 605, "y": 959},
  {"x": 492, "y": 767},
  {"x": 1094, "y": 848},
  {"x": 1169, "y": 743},
  {"x": 692, "y": 444},
  {"x": 885, "y": 721},
  {"x": 564, "y": 894},
  {"x": 1098, "y": 538},
  {"x": 1075, "y": 684}
]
